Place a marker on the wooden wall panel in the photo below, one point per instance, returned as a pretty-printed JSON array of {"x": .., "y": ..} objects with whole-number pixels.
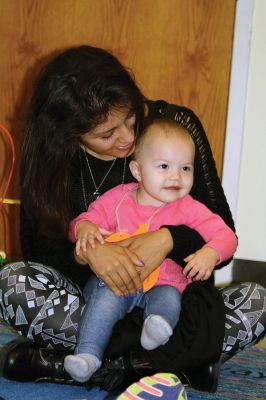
[{"x": 179, "y": 51}]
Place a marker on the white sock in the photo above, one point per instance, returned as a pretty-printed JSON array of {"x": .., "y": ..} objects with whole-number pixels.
[
  {"x": 155, "y": 332},
  {"x": 81, "y": 366}
]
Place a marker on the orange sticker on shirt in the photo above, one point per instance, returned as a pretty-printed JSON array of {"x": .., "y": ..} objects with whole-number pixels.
[{"x": 150, "y": 281}]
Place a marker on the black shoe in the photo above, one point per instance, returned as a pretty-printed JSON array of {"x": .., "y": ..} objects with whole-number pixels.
[
  {"x": 25, "y": 361},
  {"x": 123, "y": 371},
  {"x": 204, "y": 378}
]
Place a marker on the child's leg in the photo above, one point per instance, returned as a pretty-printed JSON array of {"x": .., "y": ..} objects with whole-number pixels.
[
  {"x": 102, "y": 310},
  {"x": 163, "y": 304}
]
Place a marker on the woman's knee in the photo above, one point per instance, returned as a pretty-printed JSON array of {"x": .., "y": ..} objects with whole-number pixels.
[
  {"x": 40, "y": 303},
  {"x": 246, "y": 296},
  {"x": 245, "y": 314},
  {"x": 13, "y": 287},
  {"x": 9, "y": 274},
  {"x": 23, "y": 275}
]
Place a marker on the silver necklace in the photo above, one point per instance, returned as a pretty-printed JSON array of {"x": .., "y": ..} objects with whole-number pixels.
[{"x": 96, "y": 192}]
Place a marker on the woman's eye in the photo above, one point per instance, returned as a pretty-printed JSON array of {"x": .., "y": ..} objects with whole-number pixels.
[{"x": 107, "y": 137}]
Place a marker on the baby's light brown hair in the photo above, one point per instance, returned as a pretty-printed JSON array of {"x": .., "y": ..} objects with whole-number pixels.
[{"x": 167, "y": 127}]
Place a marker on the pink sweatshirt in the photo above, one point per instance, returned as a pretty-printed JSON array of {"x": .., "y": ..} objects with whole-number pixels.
[{"x": 117, "y": 210}]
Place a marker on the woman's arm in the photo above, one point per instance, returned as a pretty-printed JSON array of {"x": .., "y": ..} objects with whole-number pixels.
[
  {"x": 175, "y": 242},
  {"x": 185, "y": 241},
  {"x": 151, "y": 247},
  {"x": 111, "y": 263},
  {"x": 115, "y": 265}
]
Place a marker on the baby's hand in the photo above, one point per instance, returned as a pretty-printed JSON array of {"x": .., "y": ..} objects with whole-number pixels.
[
  {"x": 201, "y": 264},
  {"x": 87, "y": 233}
]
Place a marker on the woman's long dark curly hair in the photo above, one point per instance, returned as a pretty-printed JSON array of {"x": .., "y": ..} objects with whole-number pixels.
[{"x": 74, "y": 93}]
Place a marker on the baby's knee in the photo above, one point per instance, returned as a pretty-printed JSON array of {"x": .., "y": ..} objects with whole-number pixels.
[{"x": 172, "y": 294}]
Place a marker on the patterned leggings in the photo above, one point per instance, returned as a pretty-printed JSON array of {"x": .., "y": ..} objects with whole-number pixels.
[{"x": 44, "y": 306}]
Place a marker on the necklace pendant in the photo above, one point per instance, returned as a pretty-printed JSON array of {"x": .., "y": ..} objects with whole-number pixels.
[{"x": 96, "y": 194}]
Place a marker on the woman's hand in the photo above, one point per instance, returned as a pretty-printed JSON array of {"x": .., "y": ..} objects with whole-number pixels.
[
  {"x": 115, "y": 265},
  {"x": 151, "y": 247}
]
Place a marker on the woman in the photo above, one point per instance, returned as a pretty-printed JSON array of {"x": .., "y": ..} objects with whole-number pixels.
[{"x": 79, "y": 136}]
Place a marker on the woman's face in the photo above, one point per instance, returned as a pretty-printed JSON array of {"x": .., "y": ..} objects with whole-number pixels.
[{"x": 112, "y": 138}]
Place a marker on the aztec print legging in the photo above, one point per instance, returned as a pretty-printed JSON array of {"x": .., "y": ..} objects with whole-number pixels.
[{"x": 44, "y": 306}]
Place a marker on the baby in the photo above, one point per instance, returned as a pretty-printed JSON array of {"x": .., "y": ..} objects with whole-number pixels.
[{"x": 163, "y": 166}]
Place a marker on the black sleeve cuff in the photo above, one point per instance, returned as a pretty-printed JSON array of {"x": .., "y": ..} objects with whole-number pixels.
[{"x": 186, "y": 241}]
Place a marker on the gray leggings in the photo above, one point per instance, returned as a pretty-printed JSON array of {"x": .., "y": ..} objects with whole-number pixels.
[{"x": 44, "y": 306}]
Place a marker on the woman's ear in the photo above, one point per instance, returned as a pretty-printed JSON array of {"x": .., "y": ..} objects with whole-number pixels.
[{"x": 135, "y": 170}]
